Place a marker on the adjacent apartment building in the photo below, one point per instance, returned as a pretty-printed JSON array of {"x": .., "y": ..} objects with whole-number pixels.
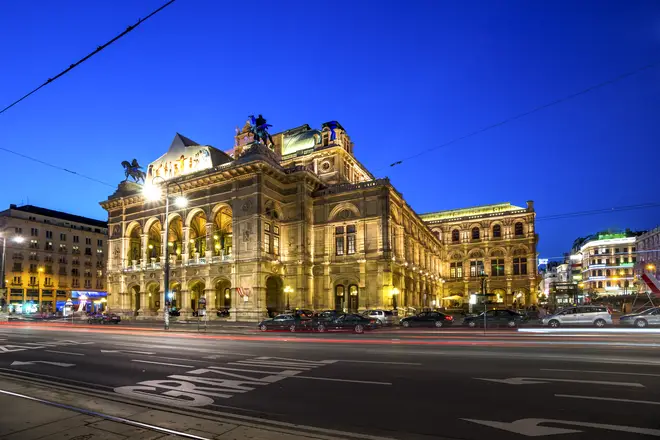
[{"x": 51, "y": 256}]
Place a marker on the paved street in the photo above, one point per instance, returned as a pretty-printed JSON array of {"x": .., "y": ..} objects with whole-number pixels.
[{"x": 417, "y": 384}]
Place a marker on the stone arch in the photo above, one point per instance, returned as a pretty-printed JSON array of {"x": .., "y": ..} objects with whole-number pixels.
[
  {"x": 395, "y": 214},
  {"x": 346, "y": 293},
  {"x": 175, "y": 235},
  {"x": 194, "y": 212},
  {"x": 152, "y": 296},
  {"x": 222, "y": 291},
  {"x": 196, "y": 222},
  {"x": 344, "y": 206},
  {"x": 476, "y": 231},
  {"x": 498, "y": 252},
  {"x": 475, "y": 253},
  {"x": 496, "y": 227},
  {"x": 176, "y": 301},
  {"x": 437, "y": 231},
  {"x": 457, "y": 256},
  {"x": 149, "y": 223},
  {"x": 222, "y": 218},
  {"x": 520, "y": 251},
  {"x": 154, "y": 238},
  {"x": 134, "y": 236},
  {"x": 196, "y": 288},
  {"x": 132, "y": 225}
]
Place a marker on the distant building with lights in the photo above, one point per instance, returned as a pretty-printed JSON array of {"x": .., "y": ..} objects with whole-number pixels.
[
  {"x": 51, "y": 256},
  {"x": 608, "y": 261},
  {"x": 648, "y": 248}
]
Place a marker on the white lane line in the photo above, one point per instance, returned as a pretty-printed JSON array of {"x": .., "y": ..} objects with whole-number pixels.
[
  {"x": 609, "y": 399},
  {"x": 590, "y": 330},
  {"x": 65, "y": 352},
  {"x": 265, "y": 365},
  {"x": 602, "y": 372},
  {"x": 162, "y": 363},
  {"x": 378, "y": 362},
  {"x": 330, "y": 379},
  {"x": 180, "y": 359}
]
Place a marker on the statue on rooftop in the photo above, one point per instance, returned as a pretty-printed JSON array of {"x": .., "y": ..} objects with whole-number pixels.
[
  {"x": 134, "y": 170},
  {"x": 259, "y": 127}
]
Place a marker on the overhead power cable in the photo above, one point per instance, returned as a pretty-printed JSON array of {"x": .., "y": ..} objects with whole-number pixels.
[
  {"x": 64, "y": 72},
  {"x": 527, "y": 113},
  {"x": 598, "y": 211}
]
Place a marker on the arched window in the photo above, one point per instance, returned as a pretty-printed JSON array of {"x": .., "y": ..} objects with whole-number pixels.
[
  {"x": 600, "y": 272},
  {"x": 475, "y": 233},
  {"x": 607, "y": 273},
  {"x": 455, "y": 236},
  {"x": 353, "y": 298},
  {"x": 339, "y": 297},
  {"x": 436, "y": 233},
  {"x": 600, "y": 284},
  {"x": 518, "y": 229},
  {"x": 497, "y": 231}
]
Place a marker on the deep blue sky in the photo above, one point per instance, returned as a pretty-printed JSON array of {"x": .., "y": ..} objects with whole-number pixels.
[{"x": 400, "y": 77}]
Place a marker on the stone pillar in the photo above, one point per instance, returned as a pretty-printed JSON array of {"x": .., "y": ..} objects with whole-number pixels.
[
  {"x": 144, "y": 238},
  {"x": 211, "y": 309},
  {"x": 209, "y": 242},
  {"x": 185, "y": 300},
  {"x": 185, "y": 251}
]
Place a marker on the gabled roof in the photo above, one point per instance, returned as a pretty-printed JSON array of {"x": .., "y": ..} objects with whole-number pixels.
[{"x": 182, "y": 141}]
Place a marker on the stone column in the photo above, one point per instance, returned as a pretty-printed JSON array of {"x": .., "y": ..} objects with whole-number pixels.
[
  {"x": 185, "y": 249},
  {"x": 209, "y": 241},
  {"x": 185, "y": 300},
  {"x": 144, "y": 238}
]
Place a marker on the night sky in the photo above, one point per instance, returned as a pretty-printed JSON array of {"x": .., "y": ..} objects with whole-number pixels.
[{"x": 401, "y": 77}]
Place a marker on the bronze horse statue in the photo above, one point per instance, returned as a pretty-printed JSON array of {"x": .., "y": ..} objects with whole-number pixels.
[{"x": 134, "y": 170}]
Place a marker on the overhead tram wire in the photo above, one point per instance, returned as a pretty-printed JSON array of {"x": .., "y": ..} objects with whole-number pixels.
[
  {"x": 599, "y": 211},
  {"x": 526, "y": 113},
  {"x": 64, "y": 72}
]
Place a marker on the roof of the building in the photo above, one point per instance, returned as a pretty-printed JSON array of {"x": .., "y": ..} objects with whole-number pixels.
[
  {"x": 182, "y": 141},
  {"x": 496, "y": 208},
  {"x": 60, "y": 215}
]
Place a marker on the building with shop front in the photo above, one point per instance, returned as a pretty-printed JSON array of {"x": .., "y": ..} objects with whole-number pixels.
[
  {"x": 608, "y": 262},
  {"x": 51, "y": 256},
  {"x": 496, "y": 241},
  {"x": 296, "y": 224}
]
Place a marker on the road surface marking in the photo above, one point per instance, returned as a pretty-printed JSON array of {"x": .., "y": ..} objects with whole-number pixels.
[
  {"x": 378, "y": 362},
  {"x": 162, "y": 363},
  {"x": 602, "y": 372},
  {"x": 65, "y": 352},
  {"x": 126, "y": 351},
  {"x": 293, "y": 361},
  {"x": 285, "y": 372},
  {"x": 531, "y": 428},
  {"x": 57, "y": 364},
  {"x": 540, "y": 380},
  {"x": 265, "y": 365},
  {"x": 369, "y": 382},
  {"x": 180, "y": 359},
  {"x": 609, "y": 399},
  {"x": 589, "y": 330}
]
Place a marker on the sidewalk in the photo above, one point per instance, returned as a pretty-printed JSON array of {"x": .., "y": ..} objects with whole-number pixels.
[{"x": 25, "y": 419}]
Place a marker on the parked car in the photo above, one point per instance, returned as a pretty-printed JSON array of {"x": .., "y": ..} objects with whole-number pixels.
[
  {"x": 305, "y": 313},
  {"x": 598, "y": 316},
  {"x": 326, "y": 315},
  {"x": 285, "y": 321},
  {"x": 495, "y": 318},
  {"x": 175, "y": 312},
  {"x": 427, "y": 319},
  {"x": 384, "y": 317},
  {"x": 642, "y": 319},
  {"x": 104, "y": 318},
  {"x": 347, "y": 322}
]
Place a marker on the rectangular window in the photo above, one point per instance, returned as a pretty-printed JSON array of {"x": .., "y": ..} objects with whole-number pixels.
[
  {"x": 276, "y": 230},
  {"x": 625, "y": 249},
  {"x": 18, "y": 230},
  {"x": 617, "y": 260},
  {"x": 497, "y": 267},
  {"x": 62, "y": 237},
  {"x": 625, "y": 259},
  {"x": 267, "y": 227},
  {"x": 476, "y": 268},
  {"x": 88, "y": 240},
  {"x": 99, "y": 251},
  {"x": 350, "y": 244},
  {"x": 276, "y": 245},
  {"x": 76, "y": 239},
  {"x": 49, "y": 234},
  {"x": 18, "y": 267},
  {"x": 616, "y": 250},
  {"x": 34, "y": 232},
  {"x": 75, "y": 272},
  {"x": 49, "y": 246},
  {"x": 34, "y": 244},
  {"x": 88, "y": 251},
  {"x": 339, "y": 245},
  {"x": 456, "y": 269},
  {"x": 33, "y": 281},
  {"x": 607, "y": 261},
  {"x": 520, "y": 266},
  {"x": 99, "y": 243},
  {"x": 267, "y": 243},
  {"x": 88, "y": 284},
  {"x": 48, "y": 282},
  {"x": 17, "y": 280},
  {"x": 76, "y": 250}
]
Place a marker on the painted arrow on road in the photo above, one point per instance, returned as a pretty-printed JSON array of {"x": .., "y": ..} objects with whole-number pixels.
[
  {"x": 57, "y": 364},
  {"x": 126, "y": 351},
  {"x": 537, "y": 380},
  {"x": 531, "y": 428}
]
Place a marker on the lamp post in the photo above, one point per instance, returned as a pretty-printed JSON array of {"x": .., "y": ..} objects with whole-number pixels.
[
  {"x": 288, "y": 291},
  {"x": 3, "y": 281},
  {"x": 483, "y": 293},
  {"x": 154, "y": 193}
]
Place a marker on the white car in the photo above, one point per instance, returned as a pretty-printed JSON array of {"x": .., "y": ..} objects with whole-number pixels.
[
  {"x": 384, "y": 317},
  {"x": 598, "y": 316}
]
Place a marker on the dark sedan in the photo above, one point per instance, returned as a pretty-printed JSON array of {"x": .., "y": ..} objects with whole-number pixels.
[
  {"x": 285, "y": 322},
  {"x": 428, "y": 319},
  {"x": 347, "y": 322},
  {"x": 104, "y": 318},
  {"x": 496, "y": 318}
]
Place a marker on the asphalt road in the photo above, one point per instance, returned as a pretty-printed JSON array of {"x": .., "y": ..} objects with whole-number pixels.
[{"x": 417, "y": 384}]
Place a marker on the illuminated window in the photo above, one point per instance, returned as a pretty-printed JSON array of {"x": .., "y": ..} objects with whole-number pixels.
[
  {"x": 455, "y": 236},
  {"x": 518, "y": 229},
  {"x": 476, "y": 268},
  {"x": 456, "y": 269},
  {"x": 271, "y": 239},
  {"x": 497, "y": 231}
]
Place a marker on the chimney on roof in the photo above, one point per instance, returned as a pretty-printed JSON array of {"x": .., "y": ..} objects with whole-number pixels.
[
  {"x": 530, "y": 205},
  {"x": 12, "y": 206}
]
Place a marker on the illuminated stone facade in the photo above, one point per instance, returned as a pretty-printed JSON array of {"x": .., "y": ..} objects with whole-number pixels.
[
  {"x": 301, "y": 225},
  {"x": 496, "y": 240}
]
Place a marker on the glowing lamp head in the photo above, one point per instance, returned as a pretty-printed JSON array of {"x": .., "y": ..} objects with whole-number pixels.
[
  {"x": 152, "y": 192},
  {"x": 18, "y": 239},
  {"x": 180, "y": 202}
]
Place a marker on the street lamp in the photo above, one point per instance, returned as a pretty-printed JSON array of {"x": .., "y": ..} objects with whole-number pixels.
[
  {"x": 3, "y": 281},
  {"x": 395, "y": 294},
  {"x": 153, "y": 193},
  {"x": 288, "y": 290},
  {"x": 650, "y": 267}
]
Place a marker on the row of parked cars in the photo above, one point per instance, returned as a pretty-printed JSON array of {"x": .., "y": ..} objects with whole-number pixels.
[{"x": 331, "y": 320}]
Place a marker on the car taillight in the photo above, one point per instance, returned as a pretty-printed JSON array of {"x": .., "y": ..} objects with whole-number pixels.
[{"x": 449, "y": 318}]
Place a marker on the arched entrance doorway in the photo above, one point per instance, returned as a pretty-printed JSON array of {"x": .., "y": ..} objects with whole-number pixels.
[
  {"x": 274, "y": 295},
  {"x": 196, "y": 292},
  {"x": 153, "y": 296},
  {"x": 223, "y": 295},
  {"x": 176, "y": 301}
]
